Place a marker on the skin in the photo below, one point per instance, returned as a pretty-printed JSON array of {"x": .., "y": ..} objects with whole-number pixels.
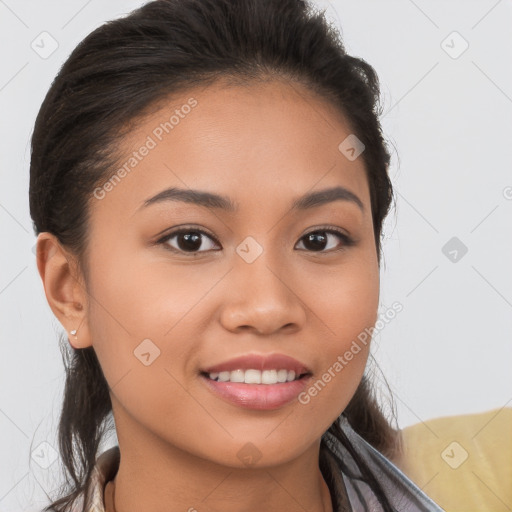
[{"x": 263, "y": 146}]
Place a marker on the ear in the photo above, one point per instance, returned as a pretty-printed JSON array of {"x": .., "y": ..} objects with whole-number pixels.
[{"x": 64, "y": 288}]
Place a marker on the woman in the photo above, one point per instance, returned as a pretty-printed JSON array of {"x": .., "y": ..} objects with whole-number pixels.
[{"x": 208, "y": 186}]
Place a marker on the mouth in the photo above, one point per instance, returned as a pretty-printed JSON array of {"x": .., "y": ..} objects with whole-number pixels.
[
  {"x": 253, "y": 376},
  {"x": 265, "y": 390},
  {"x": 257, "y": 381}
]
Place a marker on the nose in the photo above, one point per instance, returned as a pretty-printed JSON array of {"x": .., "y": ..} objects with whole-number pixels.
[{"x": 261, "y": 297}]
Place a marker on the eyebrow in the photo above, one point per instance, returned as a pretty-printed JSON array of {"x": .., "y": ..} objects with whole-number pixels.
[{"x": 215, "y": 201}]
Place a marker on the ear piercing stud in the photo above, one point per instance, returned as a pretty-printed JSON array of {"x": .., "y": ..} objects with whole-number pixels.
[{"x": 73, "y": 332}]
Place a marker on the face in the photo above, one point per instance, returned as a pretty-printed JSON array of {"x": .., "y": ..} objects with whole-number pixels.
[{"x": 178, "y": 287}]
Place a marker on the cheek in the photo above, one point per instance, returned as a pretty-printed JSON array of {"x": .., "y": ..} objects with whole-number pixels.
[
  {"x": 344, "y": 305},
  {"x": 140, "y": 315},
  {"x": 138, "y": 322},
  {"x": 135, "y": 296},
  {"x": 344, "y": 298}
]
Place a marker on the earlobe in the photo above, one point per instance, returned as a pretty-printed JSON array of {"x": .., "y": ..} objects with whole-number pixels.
[{"x": 64, "y": 288}]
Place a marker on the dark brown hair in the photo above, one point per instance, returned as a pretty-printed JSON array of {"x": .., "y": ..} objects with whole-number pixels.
[{"x": 126, "y": 67}]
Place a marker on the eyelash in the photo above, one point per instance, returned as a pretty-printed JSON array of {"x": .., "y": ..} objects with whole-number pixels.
[{"x": 347, "y": 241}]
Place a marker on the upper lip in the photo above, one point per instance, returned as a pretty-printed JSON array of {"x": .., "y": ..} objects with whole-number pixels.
[{"x": 260, "y": 362}]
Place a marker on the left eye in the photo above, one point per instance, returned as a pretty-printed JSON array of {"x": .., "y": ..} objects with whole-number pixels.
[{"x": 319, "y": 239}]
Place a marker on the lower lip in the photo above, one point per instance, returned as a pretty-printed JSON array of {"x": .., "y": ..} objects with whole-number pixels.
[{"x": 258, "y": 396}]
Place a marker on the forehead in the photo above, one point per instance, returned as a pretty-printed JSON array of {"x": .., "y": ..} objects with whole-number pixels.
[{"x": 273, "y": 141}]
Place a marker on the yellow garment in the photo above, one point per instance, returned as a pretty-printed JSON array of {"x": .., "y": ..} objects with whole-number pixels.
[{"x": 464, "y": 463}]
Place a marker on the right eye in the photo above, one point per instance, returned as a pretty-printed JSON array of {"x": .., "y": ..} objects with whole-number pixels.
[{"x": 187, "y": 240}]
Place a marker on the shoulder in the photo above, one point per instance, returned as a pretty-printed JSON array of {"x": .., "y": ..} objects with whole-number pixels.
[{"x": 462, "y": 461}]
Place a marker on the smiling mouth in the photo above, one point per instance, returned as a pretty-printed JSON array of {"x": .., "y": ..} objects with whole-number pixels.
[{"x": 253, "y": 376}]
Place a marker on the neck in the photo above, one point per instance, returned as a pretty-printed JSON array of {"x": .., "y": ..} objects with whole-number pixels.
[
  {"x": 123, "y": 502},
  {"x": 155, "y": 476}
]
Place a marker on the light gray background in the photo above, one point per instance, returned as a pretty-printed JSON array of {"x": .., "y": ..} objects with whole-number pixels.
[{"x": 449, "y": 123}]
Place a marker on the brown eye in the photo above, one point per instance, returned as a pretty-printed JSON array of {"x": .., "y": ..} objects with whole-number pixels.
[
  {"x": 319, "y": 240},
  {"x": 188, "y": 241}
]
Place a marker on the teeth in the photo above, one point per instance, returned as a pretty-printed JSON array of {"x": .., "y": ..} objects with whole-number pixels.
[
  {"x": 223, "y": 376},
  {"x": 254, "y": 376},
  {"x": 237, "y": 376},
  {"x": 282, "y": 375}
]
